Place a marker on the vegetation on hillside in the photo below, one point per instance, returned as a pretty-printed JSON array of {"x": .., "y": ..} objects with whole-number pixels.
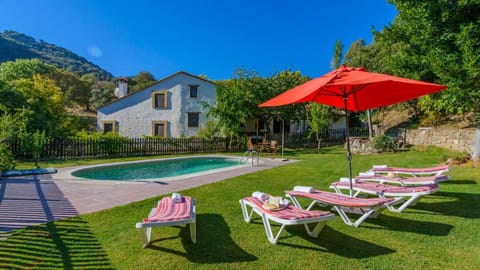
[{"x": 14, "y": 45}]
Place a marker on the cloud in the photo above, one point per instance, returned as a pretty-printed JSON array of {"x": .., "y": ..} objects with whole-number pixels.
[{"x": 94, "y": 51}]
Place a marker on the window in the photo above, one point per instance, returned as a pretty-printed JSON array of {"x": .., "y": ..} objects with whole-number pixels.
[
  {"x": 193, "y": 119},
  {"x": 193, "y": 91},
  {"x": 108, "y": 126},
  {"x": 160, "y": 99},
  {"x": 159, "y": 128}
]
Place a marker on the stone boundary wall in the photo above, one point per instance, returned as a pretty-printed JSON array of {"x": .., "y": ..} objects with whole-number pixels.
[{"x": 459, "y": 139}]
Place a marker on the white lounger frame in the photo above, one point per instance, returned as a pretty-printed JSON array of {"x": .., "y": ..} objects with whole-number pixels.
[
  {"x": 364, "y": 212},
  {"x": 146, "y": 227},
  {"x": 411, "y": 171},
  {"x": 247, "y": 216},
  {"x": 383, "y": 179},
  {"x": 413, "y": 197}
]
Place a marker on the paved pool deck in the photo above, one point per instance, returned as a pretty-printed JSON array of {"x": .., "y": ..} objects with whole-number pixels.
[{"x": 36, "y": 199}]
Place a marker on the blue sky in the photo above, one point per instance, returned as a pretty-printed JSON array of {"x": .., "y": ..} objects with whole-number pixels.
[{"x": 210, "y": 37}]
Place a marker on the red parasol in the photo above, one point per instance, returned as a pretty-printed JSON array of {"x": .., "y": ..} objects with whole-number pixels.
[{"x": 354, "y": 89}]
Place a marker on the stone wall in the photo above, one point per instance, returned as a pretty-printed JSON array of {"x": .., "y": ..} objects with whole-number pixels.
[
  {"x": 360, "y": 145},
  {"x": 454, "y": 138}
]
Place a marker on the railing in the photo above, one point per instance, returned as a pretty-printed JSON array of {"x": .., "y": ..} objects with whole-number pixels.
[
  {"x": 64, "y": 148},
  {"x": 328, "y": 137}
]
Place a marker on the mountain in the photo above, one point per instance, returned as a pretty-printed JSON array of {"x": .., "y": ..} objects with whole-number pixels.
[{"x": 14, "y": 45}]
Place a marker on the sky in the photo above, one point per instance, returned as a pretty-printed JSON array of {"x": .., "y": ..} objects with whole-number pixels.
[{"x": 203, "y": 37}]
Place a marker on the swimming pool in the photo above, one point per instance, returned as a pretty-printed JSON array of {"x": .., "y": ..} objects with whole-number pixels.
[{"x": 157, "y": 169}]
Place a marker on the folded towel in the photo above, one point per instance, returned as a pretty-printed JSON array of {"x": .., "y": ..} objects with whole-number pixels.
[
  {"x": 346, "y": 179},
  {"x": 176, "y": 197},
  {"x": 367, "y": 174},
  {"x": 260, "y": 195},
  {"x": 303, "y": 189},
  {"x": 283, "y": 202},
  {"x": 380, "y": 166},
  {"x": 275, "y": 203}
]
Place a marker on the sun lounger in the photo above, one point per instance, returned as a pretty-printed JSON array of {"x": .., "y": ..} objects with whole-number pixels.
[
  {"x": 366, "y": 207},
  {"x": 286, "y": 216},
  {"x": 170, "y": 211},
  {"x": 403, "y": 181},
  {"x": 384, "y": 169},
  {"x": 406, "y": 195}
]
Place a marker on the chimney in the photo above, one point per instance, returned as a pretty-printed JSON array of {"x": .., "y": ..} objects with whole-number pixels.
[{"x": 122, "y": 87}]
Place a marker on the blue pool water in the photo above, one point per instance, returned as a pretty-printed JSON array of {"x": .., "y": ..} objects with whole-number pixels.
[{"x": 155, "y": 169}]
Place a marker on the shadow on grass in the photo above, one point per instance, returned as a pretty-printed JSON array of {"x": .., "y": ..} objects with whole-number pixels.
[
  {"x": 409, "y": 225},
  {"x": 66, "y": 244},
  {"x": 460, "y": 182},
  {"x": 339, "y": 243},
  {"x": 214, "y": 244},
  {"x": 463, "y": 204}
]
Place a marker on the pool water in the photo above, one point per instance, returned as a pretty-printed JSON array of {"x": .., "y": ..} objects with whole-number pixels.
[{"x": 156, "y": 169}]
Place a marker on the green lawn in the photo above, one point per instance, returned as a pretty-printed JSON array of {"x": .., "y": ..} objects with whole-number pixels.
[{"x": 440, "y": 232}]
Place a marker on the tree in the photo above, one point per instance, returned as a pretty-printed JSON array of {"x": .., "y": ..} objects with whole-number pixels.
[
  {"x": 337, "y": 55},
  {"x": 277, "y": 84},
  {"x": 11, "y": 125},
  {"x": 233, "y": 107},
  {"x": 142, "y": 80},
  {"x": 239, "y": 97},
  {"x": 318, "y": 118},
  {"x": 43, "y": 104},
  {"x": 10, "y": 99},
  {"x": 23, "y": 68},
  {"x": 102, "y": 93},
  {"x": 436, "y": 41},
  {"x": 75, "y": 90}
]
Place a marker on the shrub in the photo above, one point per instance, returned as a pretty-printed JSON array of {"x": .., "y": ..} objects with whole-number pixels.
[
  {"x": 383, "y": 143},
  {"x": 6, "y": 158},
  {"x": 457, "y": 157}
]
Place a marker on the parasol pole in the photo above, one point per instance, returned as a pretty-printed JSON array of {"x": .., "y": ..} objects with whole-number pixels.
[{"x": 347, "y": 135}]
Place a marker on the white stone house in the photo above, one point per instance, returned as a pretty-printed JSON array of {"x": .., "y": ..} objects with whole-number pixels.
[{"x": 171, "y": 107}]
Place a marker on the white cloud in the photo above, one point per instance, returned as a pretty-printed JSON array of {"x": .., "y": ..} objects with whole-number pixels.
[{"x": 94, "y": 51}]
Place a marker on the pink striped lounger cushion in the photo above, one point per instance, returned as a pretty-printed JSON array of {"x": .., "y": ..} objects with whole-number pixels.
[
  {"x": 383, "y": 188},
  {"x": 412, "y": 170},
  {"x": 288, "y": 213},
  {"x": 410, "y": 180},
  {"x": 340, "y": 200},
  {"x": 167, "y": 210}
]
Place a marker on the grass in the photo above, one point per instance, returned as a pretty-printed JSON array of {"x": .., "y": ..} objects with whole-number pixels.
[{"x": 440, "y": 232}]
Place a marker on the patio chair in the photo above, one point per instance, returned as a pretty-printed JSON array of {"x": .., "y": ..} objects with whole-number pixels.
[
  {"x": 273, "y": 147},
  {"x": 406, "y": 195},
  {"x": 170, "y": 211},
  {"x": 366, "y": 207},
  {"x": 286, "y": 216},
  {"x": 403, "y": 181},
  {"x": 384, "y": 169}
]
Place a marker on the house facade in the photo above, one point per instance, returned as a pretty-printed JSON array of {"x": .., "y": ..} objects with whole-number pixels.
[{"x": 172, "y": 107}]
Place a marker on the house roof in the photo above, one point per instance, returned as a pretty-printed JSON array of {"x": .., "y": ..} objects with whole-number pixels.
[{"x": 156, "y": 82}]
